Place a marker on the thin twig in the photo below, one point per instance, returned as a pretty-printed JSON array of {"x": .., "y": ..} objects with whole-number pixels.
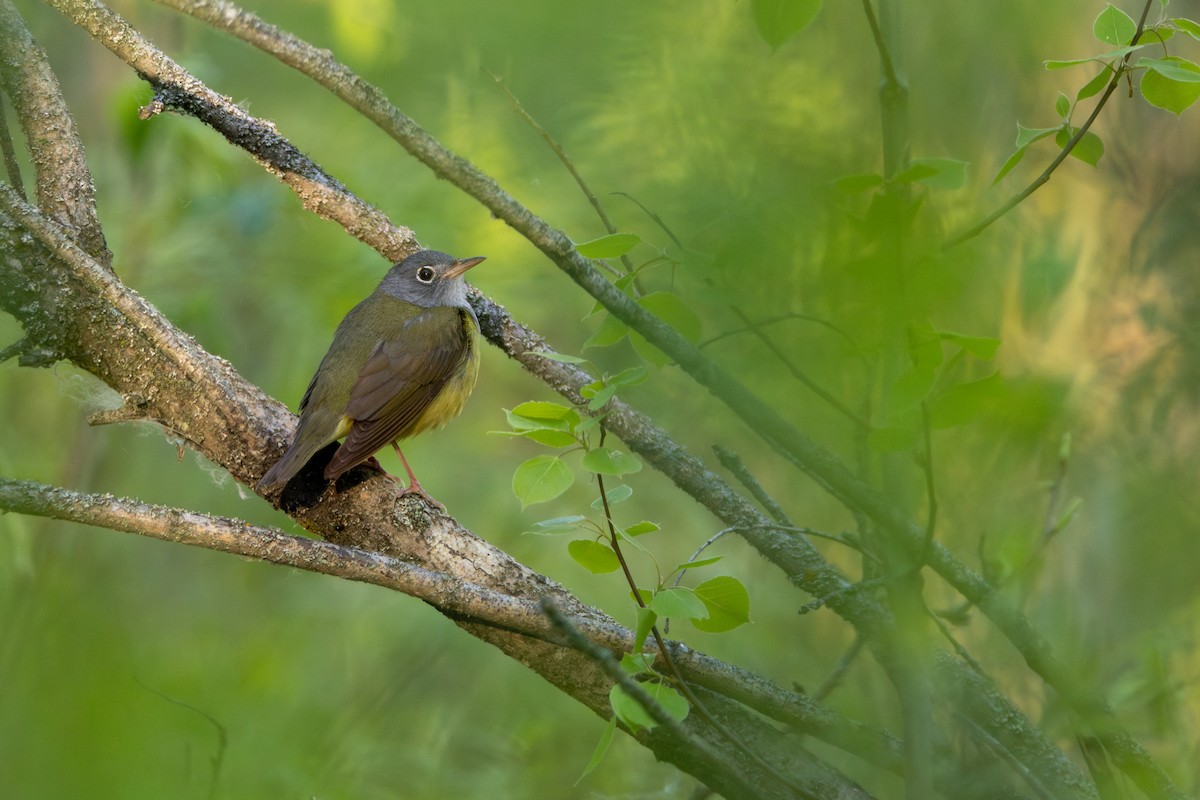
[
  {"x": 799, "y": 374},
  {"x": 1040, "y": 180},
  {"x": 839, "y": 669},
  {"x": 730, "y": 461}
]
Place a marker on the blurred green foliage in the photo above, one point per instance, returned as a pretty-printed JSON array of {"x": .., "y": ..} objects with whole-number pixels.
[{"x": 136, "y": 669}]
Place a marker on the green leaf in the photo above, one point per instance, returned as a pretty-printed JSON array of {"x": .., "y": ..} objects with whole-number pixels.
[
  {"x": 615, "y": 495},
  {"x": 1089, "y": 149},
  {"x": 628, "y": 710},
  {"x": 614, "y": 245},
  {"x": 1011, "y": 162},
  {"x": 541, "y": 478},
  {"x": 727, "y": 602},
  {"x": 1173, "y": 67},
  {"x": 914, "y": 172},
  {"x": 1168, "y": 93},
  {"x": 678, "y": 602},
  {"x": 643, "y": 527},
  {"x": 1095, "y": 85},
  {"x": 1190, "y": 27},
  {"x": 637, "y": 663},
  {"x": 1062, "y": 105},
  {"x": 672, "y": 701},
  {"x": 595, "y": 557},
  {"x": 1027, "y": 136},
  {"x": 628, "y": 377},
  {"x": 645, "y": 621},
  {"x": 563, "y": 357},
  {"x": 982, "y": 347},
  {"x": 610, "y": 461},
  {"x": 891, "y": 439},
  {"x": 557, "y": 525},
  {"x": 601, "y": 748},
  {"x": 857, "y": 184},
  {"x": 600, "y": 393},
  {"x": 1120, "y": 52},
  {"x": 611, "y": 331},
  {"x": 964, "y": 402},
  {"x": 780, "y": 20},
  {"x": 946, "y": 173},
  {"x": 699, "y": 562},
  {"x": 1114, "y": 26},
  {"x": 546, "y": 410}
]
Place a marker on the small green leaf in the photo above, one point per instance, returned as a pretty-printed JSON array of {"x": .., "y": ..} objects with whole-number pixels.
[
  {"x": 780, "y": 20},
  {"x": 914, "y": 172},
  {"x": 614, "y": 245},
  {"x": 964, "y": 402},
  {"x": 541, "y": 478},
  {"x": 545, "y": 410},
  {"x": 946, "y": 173},
  {"x": 610, "y": 461},
  {"x": 982, "y": 347},
  {"x": 678, "y": 602},
  {"x": 1173, "y": 67},
  {"x": 611, "y": 331},
  {"x": 1062, "y": 105},
  {"x": 1190, "y": 27},
  {"x": 563, "y": 357},
  {"x": 1027, "y": 136},
  {"x": 672, "y": 701},
  {"x": 1089, "y": 149},
  {"x": 1095, "y": 85},
  {"x": 645, "y": 621},
  {"x": 727, "y": 602},
  {"x": 628, "y": 377},
  {"x": 1114, "y": 26},
  {"x": 595, "y": 557},
  {"x": 643, "y": 527},
  {"x": 857, "y": 184},
  {"x": 699, "y": 562},
  {"x": 1011, "y": 162},
  {"x": 628, "y": 710},
  {"x": 637, "y": 663},
  {"x": 599, "y": 394},
  {"x": 601, "y": 748},
  {"x": 1170, "y": 94},
  {"x": 615, "y": 495},
  {"x": 557, "y": 525}
]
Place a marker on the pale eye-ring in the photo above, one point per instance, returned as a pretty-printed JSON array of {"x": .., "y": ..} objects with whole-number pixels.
[{"x": 426, "y": 274}]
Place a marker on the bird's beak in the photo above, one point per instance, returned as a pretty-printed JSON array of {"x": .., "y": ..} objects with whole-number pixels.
[{"x": 461, "y": 266}]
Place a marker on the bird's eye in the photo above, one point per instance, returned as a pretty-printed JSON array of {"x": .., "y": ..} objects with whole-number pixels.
[{"x": 426, "y": 274}]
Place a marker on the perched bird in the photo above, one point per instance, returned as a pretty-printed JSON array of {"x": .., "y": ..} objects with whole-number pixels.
[{"x": 402, "y": 361}]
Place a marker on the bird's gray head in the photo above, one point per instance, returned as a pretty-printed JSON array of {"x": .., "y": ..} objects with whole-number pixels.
[{"x": 429, "y": 278}]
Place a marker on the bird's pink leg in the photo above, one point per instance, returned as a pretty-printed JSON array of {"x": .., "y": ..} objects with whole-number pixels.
[{"x": 414, "y": 485}]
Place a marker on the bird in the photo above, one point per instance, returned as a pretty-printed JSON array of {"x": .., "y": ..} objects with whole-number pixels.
[{"x": 403, "y": 361}]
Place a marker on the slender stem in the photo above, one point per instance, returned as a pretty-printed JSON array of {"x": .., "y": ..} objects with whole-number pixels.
[
  {"x": 1041, "y": 180},
  {"x": 799, "y": 374}
]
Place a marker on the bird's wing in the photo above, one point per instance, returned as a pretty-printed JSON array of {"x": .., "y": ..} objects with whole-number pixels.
[{"x": 402, "y": 377}]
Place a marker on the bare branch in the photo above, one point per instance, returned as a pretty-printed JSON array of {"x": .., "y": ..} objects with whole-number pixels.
[{"x": 64, "y": 183}]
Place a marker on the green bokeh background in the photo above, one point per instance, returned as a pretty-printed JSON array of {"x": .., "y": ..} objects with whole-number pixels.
[{"x": 125, "y": 661}]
